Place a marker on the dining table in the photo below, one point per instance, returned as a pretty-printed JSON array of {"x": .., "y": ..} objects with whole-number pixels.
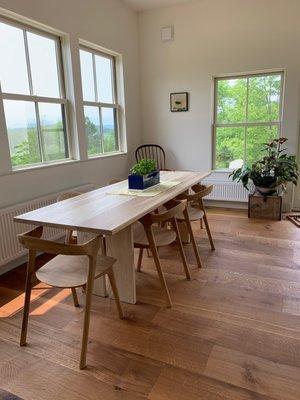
[{"x": 112, "y": 212}]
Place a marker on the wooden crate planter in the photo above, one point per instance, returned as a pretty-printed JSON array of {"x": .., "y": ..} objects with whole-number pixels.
[{"x": 264, "y": 207}]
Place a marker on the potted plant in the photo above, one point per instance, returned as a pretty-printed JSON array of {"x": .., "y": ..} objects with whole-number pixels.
[
  {"x": 271, "y": 172},
  {"x": 143, "y": 175}
]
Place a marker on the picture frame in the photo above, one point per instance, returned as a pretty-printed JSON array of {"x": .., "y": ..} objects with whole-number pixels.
[{"x": 179, "y": 102}]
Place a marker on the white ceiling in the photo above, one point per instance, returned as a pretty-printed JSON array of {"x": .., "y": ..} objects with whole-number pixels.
[{"x": 142, "y": 5}]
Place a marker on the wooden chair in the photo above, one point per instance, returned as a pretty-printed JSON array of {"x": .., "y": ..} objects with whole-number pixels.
[
  {"x": 113, "y": 181},
  {"x": 75, "y": 265},
  {"x": 196, "y": 209},
  {"x": 147, "y": 235},
  {"x": 152, "y": 151}
]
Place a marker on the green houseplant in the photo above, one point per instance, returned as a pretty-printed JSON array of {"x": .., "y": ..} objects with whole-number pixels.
[
  {"x": 143, "y": 175},
  {"x": 143, "y": 167},
  {"x": 272, "y": 171}
]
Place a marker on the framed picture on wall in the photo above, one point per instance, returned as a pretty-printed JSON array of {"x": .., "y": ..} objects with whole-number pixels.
[{"x": 179, "y": 102}]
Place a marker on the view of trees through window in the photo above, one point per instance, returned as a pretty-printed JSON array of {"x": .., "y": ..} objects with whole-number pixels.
[
  {"x": 32, "y": 100},
  {"x": 100, "y": 109},
  {"x": 247, "y": 114}
]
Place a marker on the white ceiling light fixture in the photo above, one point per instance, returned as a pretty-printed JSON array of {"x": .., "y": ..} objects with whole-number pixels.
[{"x": 167, "y": 34}]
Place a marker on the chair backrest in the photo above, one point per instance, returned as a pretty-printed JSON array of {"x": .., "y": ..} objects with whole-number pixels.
[
  {"x": 152, "y": 151},
  {"x": 67, "y": 195},
  {"x": 200, "y": 191},
  {"x": 32, "y": 241},
  {"x": 113, "y": 181},
  {"x": 174, "y": 208}
]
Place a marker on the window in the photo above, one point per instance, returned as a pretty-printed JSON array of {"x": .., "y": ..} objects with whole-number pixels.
[
  {"x": 32, "y": 93},
  {"x": 247, "y": 114},
  {"x": 100, "y": 101}
]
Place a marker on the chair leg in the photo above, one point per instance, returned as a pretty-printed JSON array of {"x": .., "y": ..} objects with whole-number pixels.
[
  {"x": 75, "y": 298},
  {"x": 30, "y": 269},
  {"x": 201, "y": 223},
  {"x": 179, "y": 243},
  {"x": 208, "y": 232},
  {"x": 87, "y": 312},
  {"x": 112, "y": 280},
  {"x": 194, "y": 244},
  {"x": 154, "y": 252},
  {"x": 139, "y": 266}
]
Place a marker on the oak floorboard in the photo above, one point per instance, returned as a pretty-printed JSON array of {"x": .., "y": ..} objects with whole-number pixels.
[
  {"x": 176, "y": 384},
  {"x": 233, "y": 332},
  {"x": 262, "y": 376}
]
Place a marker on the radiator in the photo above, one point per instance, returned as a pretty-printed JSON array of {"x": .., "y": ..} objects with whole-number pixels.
[
  {"x": 10, "y": 248},
  {"x": 227, "y": 191}
]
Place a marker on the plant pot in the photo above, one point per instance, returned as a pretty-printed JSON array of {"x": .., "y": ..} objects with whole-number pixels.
[
  {"x": 266, "y": 185},
  {"x": 142, "y": 182},
  {"x": 266, "y": 191}
]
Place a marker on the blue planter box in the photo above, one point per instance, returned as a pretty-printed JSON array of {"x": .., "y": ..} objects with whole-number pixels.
[{"x": 143, "y": 182}]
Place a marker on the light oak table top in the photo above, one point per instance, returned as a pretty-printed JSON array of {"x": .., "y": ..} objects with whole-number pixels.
[{"x": 103, "y": 213}]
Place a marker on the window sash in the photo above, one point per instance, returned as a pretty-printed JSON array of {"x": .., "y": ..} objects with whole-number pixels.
[
  {"x": 114, "y": 105},
  {"x": 40, "y": 99},
  {"x": 245, "y": 124},
  {"x": 116, "y": 124}
]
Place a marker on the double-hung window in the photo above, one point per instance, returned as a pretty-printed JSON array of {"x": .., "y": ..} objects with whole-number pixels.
[
  {"x": 98, "y": 74},
  {"x": 32, "y": 92},
  {"x": 247, "y": 114}
]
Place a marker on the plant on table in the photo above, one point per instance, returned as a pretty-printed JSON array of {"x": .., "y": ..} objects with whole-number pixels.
[
  {"x": 272, "y": 171},
  {"x": 144, "y": 167}
]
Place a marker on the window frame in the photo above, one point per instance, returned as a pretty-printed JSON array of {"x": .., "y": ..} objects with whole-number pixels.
[
  {"x": 246, "y": 124},
  {"x": 36, "y": 99},
  {"x": 115, "y": 105}
]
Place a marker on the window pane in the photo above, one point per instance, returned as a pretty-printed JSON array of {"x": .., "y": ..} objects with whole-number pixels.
[
  {"x": 43, "y": 64},
  {"x": 104, "y": 79},
  {"x": 87, "y": 75},
  {"x": 22, "y": 132},
  {"x": 92, "y": 129},
  {"x": 13, "y": 68},
  {"x": 53, "y": 133},
  {"x": 264, "y": 98},
  {"x": 256, "y": 137},
  {"x": 231, "y": 100},
  {"x": 230, "y": 144},
  {"x": 109, "y": 130}
]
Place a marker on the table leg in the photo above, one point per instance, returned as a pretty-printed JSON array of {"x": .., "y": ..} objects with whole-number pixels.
[{"x": 120, "y": 246}]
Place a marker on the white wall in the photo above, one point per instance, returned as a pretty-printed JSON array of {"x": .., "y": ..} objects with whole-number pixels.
[
  {"x": 107, "y": 23},
  {"x": 213, "y": 37}
]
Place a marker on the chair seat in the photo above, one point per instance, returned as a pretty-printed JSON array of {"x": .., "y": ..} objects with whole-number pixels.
[
  {"x": 163, "y": 236},
  {"x": 194, "y": 214},
  {"x": 71, "y": 271}
]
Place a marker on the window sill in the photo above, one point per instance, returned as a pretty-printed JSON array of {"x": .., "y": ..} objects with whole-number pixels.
[
  {"x": 222, "y": 171},
  {"x": 114, "y": 154},
  {"x": 59, "y": 164}
]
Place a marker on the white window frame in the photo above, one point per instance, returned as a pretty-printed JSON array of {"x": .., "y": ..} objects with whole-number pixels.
[
  {"x": 62, "y": 100},
  {"x": 114, "y": 105},
  {"x": 246, "y": 123}
]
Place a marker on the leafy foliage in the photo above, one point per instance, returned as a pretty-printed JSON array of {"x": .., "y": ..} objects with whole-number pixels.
[
  {"x": 95, "y": 145},
  {"x": 143, "y": 167},
  {"x": 274, "y": 169},
  {"x": 234, "y": 105}
]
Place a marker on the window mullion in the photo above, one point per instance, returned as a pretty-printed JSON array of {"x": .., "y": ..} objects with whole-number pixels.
[
  {"x": 28, "y": 62},
  {"x": 95, "y": 77},
  {"x": 39, "y": 132},
  {"x": 101, "y": 129},
  {"x": 246, "y": 126}
]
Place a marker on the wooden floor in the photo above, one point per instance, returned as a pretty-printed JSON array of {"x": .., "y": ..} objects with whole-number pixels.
[{"x": 233, "y": 332}]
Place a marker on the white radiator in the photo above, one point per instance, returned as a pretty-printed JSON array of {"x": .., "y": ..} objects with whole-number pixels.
[
  {"x": 10, "y": 248},
  {"x": 227, "y": 191}
]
